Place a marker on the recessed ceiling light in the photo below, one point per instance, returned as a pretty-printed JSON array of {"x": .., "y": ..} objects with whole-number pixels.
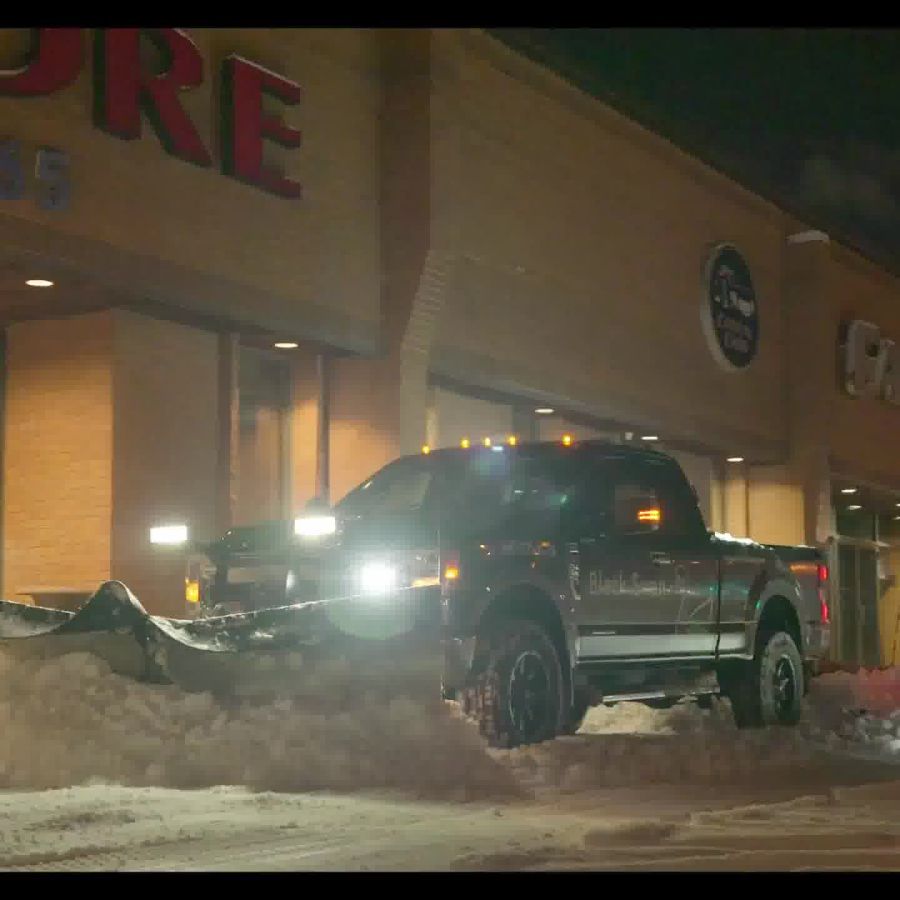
[
  {"x": 39, "y": 282},
  {"x": 545, "y": 411},
  {"x": 848, "y": 490},
  {"x": 735, "y": 459},
  {"x": 649, "y": 437},
  {"x": 286, "y": 345},
  {"x": 853, "y": 506}
]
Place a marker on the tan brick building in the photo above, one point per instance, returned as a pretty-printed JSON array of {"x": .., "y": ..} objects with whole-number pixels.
[{"x": 475, "y": 240}]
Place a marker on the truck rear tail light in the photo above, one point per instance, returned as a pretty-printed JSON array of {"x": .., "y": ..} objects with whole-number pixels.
[{"x": 824, "y": 611}]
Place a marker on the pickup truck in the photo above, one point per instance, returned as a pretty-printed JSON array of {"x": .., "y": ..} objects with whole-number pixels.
[{"x": 559, "y": 576}]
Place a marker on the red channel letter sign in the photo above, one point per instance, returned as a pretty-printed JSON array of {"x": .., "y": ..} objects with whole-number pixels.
[{"x": 125, "y": 93}]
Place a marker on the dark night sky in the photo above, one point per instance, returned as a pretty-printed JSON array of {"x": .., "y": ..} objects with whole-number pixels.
[{"x": 809, "y": 118}]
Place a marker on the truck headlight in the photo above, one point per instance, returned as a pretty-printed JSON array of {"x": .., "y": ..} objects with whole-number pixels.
[
  {"x": 378, "y": 578},
  {"x": 315, "y": 526}
]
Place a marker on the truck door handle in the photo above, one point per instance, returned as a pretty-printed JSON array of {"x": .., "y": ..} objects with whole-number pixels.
[{"x": 661, "y": 559}]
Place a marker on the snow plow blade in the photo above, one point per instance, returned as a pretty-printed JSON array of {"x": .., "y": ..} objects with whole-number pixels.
[{"x": 269, "y": 652}]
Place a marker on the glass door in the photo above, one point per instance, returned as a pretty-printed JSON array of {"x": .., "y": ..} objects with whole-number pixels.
[{"x": 263, "y": 483}]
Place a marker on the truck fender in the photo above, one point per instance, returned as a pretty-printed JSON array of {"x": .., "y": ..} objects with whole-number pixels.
[
  {"x": 539, "y": 602},
  {"x": 771, "y": 589}
]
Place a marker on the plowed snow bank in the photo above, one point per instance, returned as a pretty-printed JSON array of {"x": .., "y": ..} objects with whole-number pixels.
[{"x": 70, "y": 721}]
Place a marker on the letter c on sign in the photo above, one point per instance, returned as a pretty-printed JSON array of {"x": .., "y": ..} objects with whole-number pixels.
[{"x": 54, "y": 62}]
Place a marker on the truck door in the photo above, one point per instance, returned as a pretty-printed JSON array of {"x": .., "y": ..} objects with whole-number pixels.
[
  {"x": 631, "y": 566},
  {"x": 627, "y": 608},
  {"x": 693, "y": 557}
]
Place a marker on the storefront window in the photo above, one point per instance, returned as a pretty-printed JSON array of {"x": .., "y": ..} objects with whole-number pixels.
[
  {"x": 868, "y": 535},
  {"x": 889, "y": 527},
  {"x": 857, "y": 524},
  {"x": 262, "y": 478}
]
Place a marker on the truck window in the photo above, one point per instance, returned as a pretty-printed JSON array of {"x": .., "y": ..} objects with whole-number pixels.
[
  {"x": 636, "y": 508},
  {"x": 586, "y": 508},
  {"x": 517, "y": 489},
  {"x": 401, "y": 487},
  {"x": 653, "y": 496}
]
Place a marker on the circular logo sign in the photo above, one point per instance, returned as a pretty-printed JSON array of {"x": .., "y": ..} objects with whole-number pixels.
[{"x": 729, "y": 310}]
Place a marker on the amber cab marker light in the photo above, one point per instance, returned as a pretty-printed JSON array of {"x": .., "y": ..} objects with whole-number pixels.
[
  {"x": 39, "y": 282},
  {"x": 567, "y": 440},
  {"x": 286, "y": 345},
  {"x": 465, "y": 443},
  {"x": 451, "y": 573},
  {"x": 426, "y": 449},
  {"x": 487, "y": 442},
  {"x": 191, "y": 591},
  {"x": 512, "y": 440}
]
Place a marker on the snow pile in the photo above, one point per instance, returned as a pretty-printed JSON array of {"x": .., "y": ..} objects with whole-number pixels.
[
  {"x": 69, "y": 721},
  {"x": 876, "y": 690},
  {"x": 640, "y": 746},
  {"x": 859, "y": 711}
]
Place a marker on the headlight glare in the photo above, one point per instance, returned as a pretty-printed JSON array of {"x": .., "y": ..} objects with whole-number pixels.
[
  {"x": 315, "y": 526},
  {"x": 378, "y": 578}
]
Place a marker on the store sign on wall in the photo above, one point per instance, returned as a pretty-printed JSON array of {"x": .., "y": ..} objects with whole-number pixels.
[
  {"x": 871, "y": 363},
  {"x": 729, "y": 309},
  {"x": 125, "y": 91}
]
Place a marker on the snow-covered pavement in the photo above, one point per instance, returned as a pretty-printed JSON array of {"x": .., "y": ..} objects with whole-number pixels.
[
  {"x": 98, "y": 772},
  {"x": 229, "y": 828}
]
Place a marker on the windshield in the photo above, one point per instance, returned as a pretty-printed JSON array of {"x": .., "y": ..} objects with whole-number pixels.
[
  {"x": 401, "y": 487},
  {"x": 480, "y": 483}
]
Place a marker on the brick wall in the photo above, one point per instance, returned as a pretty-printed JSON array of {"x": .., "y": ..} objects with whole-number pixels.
[
  {"x": 579, "y": 252},
  {"x": 58, "y": 453},
  {"x": 196, "y": 237},
  {"x": 164, "y": 464}
]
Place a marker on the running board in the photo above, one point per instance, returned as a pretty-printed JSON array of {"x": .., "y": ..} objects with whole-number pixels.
[{"x": 657, "y": 695}]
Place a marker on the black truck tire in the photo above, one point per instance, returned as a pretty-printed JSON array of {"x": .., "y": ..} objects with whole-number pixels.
[
  {"x": 769, "y": 689},
  {"x": 517, "y": 696}
]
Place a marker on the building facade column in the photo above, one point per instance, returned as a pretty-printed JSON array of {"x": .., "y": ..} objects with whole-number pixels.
[
  {"x": 379, "y": 407},
  {"x": 58, "y": 453},
  {"x": 112, "y": 428},
  {"x": 810, "y": 347}
]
